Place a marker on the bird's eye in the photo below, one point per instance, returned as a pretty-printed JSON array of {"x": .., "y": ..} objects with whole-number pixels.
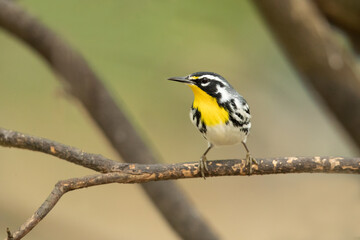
[{"x": 204, "y": 81}]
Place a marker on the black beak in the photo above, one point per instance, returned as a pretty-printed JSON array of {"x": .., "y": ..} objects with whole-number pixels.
[{"x": 180, "y": 79}]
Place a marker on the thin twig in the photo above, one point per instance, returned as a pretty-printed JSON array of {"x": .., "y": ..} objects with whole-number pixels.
[{"x": 59, "y": 190}]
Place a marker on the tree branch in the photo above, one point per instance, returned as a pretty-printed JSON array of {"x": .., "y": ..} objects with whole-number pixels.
[
  {"x": 142, "y": 173},
  {"x": 229, "y": 167},
  {"x": 85, "y": 86},
  {"x": 310, "y": 45},
  {"x": 344, "y": 14},
  {"x": 97, "y": 162},
  {"x": 146, "y": 173}
]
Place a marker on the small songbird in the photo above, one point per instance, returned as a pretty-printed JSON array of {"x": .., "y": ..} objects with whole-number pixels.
[{"x": 220, "y": 113}]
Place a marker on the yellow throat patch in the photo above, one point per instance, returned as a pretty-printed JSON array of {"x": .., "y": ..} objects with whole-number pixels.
[{"x": 211, "y": 113}]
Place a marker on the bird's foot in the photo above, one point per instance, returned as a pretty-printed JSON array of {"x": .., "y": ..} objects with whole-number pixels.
[
  {"x": 249, "y": 162},
  {"x": 203, "y": 166}
]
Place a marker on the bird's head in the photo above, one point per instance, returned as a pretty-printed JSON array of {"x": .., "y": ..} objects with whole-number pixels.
[{"x": 211, "y": 83}]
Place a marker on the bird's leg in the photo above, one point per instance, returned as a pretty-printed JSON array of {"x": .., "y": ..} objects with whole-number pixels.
[
  {"x": 202, "y": 162},
  {"x": 249, "y": 159}
]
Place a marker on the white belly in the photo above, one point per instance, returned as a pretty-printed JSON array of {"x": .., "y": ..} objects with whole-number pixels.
[{"x": 224, "y": 135}]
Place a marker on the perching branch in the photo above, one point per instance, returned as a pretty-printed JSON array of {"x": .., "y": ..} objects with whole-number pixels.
[
  {"x": 82, "y": 82},
  {"x": 97, "y": 162},
  {"x": 310, "y": 45},
  {"x": 116, "y": 172}
]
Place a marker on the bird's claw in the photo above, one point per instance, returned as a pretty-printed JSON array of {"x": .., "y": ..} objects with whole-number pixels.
[
  {"x": 249, "y": 162},
  {"x": 203, "y": 166}
]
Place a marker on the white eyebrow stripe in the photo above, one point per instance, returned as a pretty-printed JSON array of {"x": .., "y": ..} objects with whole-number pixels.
[{"x": 212, "y": 77}]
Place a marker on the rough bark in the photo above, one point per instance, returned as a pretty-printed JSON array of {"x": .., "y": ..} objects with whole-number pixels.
[{"x": 228, "y": 167}]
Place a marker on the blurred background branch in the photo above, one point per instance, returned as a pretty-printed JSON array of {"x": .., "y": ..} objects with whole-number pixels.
[
  {"x": 344, "y": 14},
  {"x": 84, "y": 84},
  {"x": 141, "y": 173},
  {"x": 326, "y": 66}
]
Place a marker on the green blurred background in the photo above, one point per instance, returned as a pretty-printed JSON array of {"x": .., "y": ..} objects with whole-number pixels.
[{"x": 134, "y": 46}]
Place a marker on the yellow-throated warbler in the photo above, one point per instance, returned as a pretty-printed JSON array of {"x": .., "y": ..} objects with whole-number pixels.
[{"x": 220, "y": 113}]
